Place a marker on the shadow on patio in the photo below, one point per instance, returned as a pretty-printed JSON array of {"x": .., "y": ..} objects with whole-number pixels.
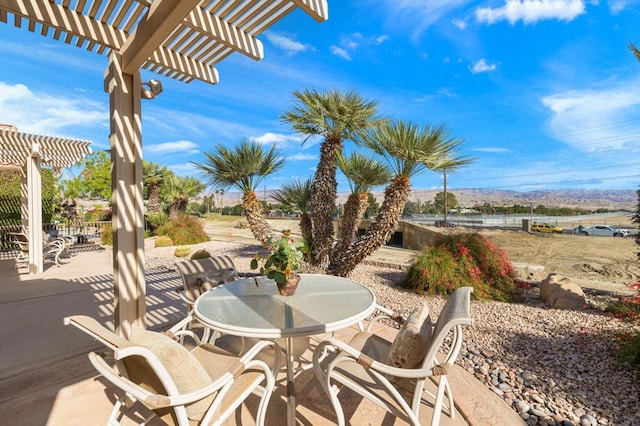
[{"x": 46, "y": 377}]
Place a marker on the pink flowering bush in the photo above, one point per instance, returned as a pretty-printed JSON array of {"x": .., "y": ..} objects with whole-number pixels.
[
  {"x": 628, "y": 309},
  {"x": 459, "y": 260}
]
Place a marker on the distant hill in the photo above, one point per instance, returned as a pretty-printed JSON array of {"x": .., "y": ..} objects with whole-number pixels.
[{"x": 583, "y": 198}]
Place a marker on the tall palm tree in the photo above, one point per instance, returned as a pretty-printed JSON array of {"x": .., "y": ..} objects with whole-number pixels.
[
  {"x": 244, "y": 167},
  {"x": 153, "y": 176},
  {"x": 363, "y": 173},
  {"x": 634, "y": 50},
  {"x": 409, "y": 150},
  {"x": 297, "y": 194},
  {"x": 177, "y": 192},
  {"x": 334, "y": 116}
]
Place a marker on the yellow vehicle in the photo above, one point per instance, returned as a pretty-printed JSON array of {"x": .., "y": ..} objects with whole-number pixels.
[{"x": 545, "y": 227}]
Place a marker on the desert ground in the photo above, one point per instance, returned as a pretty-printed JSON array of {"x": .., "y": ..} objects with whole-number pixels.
[{"x": 606, "y": 264}]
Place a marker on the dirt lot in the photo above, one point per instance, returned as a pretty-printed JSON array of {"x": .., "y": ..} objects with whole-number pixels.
[
  {"x": 601, "y": 263},
  {"x": 605, "y": 263}
]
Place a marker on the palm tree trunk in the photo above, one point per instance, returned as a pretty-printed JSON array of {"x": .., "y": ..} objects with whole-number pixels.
[
  {"x": 306, "y": 228},
  {"x": 396, "y": 196},
  {"x": 255, "y": 216},
  {"x": 354, "y": 210},
  {"x": 323, "y": 200},
  {"x": 154, "y": 199}
]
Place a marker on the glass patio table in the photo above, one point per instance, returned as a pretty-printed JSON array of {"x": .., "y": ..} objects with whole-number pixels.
[{"x": 253, "y": 307}]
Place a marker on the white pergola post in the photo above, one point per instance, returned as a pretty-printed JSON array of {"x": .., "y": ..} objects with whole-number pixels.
[
  {"x": 34, "y": 202},
  {"x": 127, "y": 202}
]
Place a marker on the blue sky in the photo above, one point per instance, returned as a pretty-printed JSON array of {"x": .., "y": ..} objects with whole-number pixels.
[{"x": 545, "y": 93}]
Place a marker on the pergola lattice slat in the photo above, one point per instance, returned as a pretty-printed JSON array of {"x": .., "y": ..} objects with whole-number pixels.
[
  {"x": 58, "y": 152},
  {"x": 221, "y": 26}
]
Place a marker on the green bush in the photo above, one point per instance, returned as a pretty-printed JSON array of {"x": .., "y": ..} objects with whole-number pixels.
[
  {"x": 459, "y": 260},
  {"x": 154, "y": 221},
  {"x": 182, "y": 251},
  {"x": 184, "y": 230},
  {"x": 163, "y": 241},
  {"x": 106, "y": 236},
  {"x": 200, "y": 254}
]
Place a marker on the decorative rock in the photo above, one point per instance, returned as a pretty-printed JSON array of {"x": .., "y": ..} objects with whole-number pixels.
[
  {"x": 537, "y": 412},
  {"x": 522, "y": 407},
  {"x": 504, "y": 387},
  {"x": 561, "y": 293},
  {"x": 579, "y": 412},
  {"x": 588, "y": 420}
]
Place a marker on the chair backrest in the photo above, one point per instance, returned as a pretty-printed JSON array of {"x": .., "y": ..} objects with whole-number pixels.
[
  {"x": 454, "y": 315},
  {"x": 200, "y": 275},
  {"x": 153, "y": 361}
]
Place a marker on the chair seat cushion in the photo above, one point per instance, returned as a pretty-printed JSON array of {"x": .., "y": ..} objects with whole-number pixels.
[
  {"x": 183, "y": 367},
  {"x": 412, "y": 342}
]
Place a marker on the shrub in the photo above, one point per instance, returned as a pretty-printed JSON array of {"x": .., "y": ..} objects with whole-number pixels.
[
  {"x": 628, "y": 308},
  {"x": 154, "y": 221},
  {"x": 184, "y": 230},
  {"x": 182, "y": 251},
  {"x": 200, "y": 254},
  {"x": 163, "y": 241},
  {"x": 459, "y": 260},
  {"x": 106, "y": 236}
]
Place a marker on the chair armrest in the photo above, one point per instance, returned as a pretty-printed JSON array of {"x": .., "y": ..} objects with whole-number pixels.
[
  {"x": 182, "y": 294},
  {"x": 387, "y": 314},
  {"x": 347, "y": 353}
]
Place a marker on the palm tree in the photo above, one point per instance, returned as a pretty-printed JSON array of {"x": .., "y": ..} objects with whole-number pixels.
[
  {"x": 363, "y": 173},
  {"x": 177, "y": 192},
  {"x": 153, "y": 176},
  {"x": 634, "y": 50},
  {"x": 243, "y": 167},
  {"x": 335, "y": 116},
  {"x": 408, "y": 149},
  {"x": 298, "y": 194}
]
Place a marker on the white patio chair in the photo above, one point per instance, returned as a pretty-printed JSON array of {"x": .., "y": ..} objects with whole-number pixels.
[
  {"x": 202, "y": 386},
  {"x": 200, "y": 275},
  {"x": 364, "y": 365},
  {"x": 50, "y": 248}
]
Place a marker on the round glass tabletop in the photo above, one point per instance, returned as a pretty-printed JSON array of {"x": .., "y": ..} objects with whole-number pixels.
[{"x": 253, "y": 307}]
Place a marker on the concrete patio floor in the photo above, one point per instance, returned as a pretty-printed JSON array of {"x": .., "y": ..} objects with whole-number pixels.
[{"x": 46, "y": 378}]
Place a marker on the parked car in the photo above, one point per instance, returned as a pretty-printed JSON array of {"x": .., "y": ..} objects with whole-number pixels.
[
  {"x": 602, "y": 230},
  {"x": 545, "y": 227}
]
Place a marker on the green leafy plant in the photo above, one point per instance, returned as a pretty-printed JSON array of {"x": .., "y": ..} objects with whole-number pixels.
[
  {"x": 184, "y": 230},
  {"x": 458, "y": 260},
  {"x": 285, "y": 256},
  {"x": 106, "y": 236}
]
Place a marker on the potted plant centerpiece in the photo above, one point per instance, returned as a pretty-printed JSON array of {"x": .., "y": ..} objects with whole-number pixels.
[{"x": 285, "y": 256}]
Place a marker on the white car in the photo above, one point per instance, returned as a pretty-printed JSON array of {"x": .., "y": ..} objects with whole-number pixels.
[{"x": 602, "y": 230}]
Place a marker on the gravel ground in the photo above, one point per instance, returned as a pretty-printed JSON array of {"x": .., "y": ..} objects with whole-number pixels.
[{"x": 553, "y": 367}]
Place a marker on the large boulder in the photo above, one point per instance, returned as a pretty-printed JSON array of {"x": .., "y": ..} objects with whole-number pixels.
[{"x": 562, "y": 293}]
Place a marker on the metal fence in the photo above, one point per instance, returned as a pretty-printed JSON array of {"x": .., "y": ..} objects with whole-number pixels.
[{"x": 87, "y": 231}]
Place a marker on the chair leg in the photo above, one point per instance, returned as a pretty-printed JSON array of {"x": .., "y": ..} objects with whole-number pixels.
[{"x": 437, "y": 405}]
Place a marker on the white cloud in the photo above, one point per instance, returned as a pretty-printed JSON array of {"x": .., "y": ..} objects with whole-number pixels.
[
  {"x": 301, "y": 157},
  {"x": 418, "y": 15},
  {"x": 49, "y": 114},
  {"x": 177, "y": 146},
  {"x": 338, "y": 51},
  {"x": 493, "y": 150},
  {"x": 381, "y": 39},
  {"x": 186, "y": 169},
  {"x": 482, "y": 66},
  {"x": 532, "y": 11},
  {"x": 278, "y": 139},
  {"x": 459, "y": 23},
  {"x": 617, "y": 6},
  {"x": 285, "y": 43},
  {"x": 594, "y": 120}
]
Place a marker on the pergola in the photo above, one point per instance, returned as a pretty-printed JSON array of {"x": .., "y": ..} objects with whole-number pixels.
[
  {"x": 30, "y": 152},
  {"x": 183, "y": 40}
]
